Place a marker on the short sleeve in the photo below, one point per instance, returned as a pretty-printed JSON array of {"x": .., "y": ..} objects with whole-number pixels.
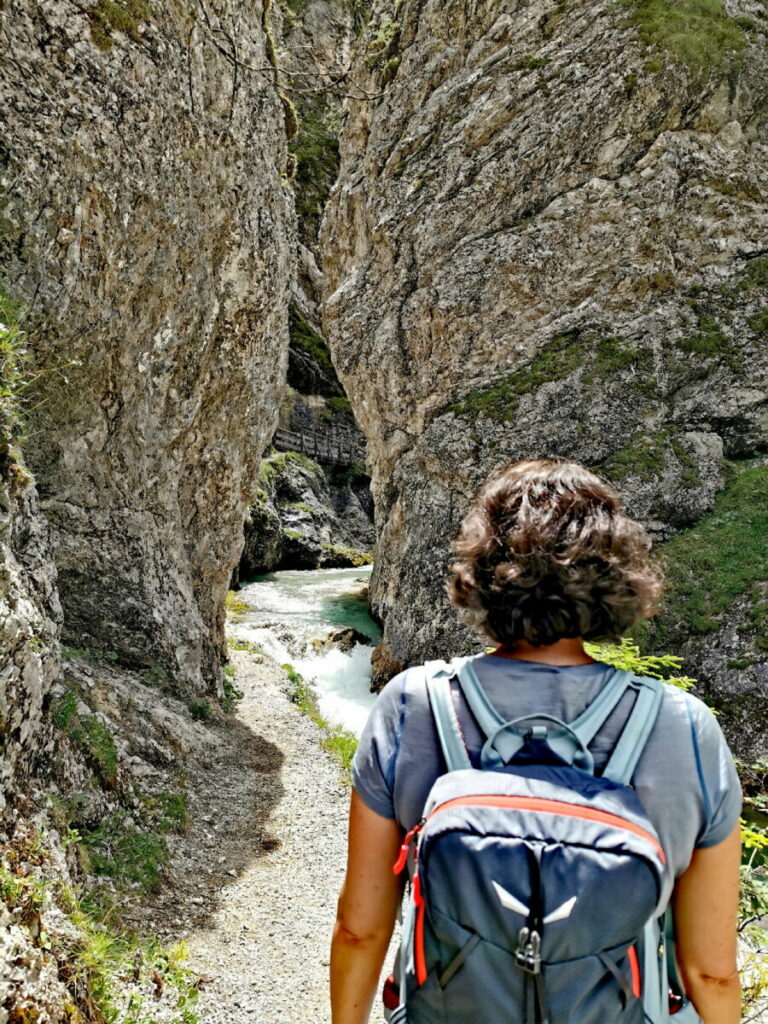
[
  {"x": 373, "y": 766},
  {"x": 717, "y": 775}
]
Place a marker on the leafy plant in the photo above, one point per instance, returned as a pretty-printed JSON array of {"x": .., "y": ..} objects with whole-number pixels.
[
  {"x": 121, "y": 850},
  {"x": 200, "y": 709},
  {"x": 232, "y": 693},
  {"x": 627, "y": 655},
  {"x": 12, "y": 368}
]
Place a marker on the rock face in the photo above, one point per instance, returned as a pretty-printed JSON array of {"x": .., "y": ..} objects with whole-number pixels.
[
  {"x": 306, "y": 517},
  {"x": 29, "y": 627},
  {"x": 146, "y": 225},
  {"x": 546, "y": 238}
]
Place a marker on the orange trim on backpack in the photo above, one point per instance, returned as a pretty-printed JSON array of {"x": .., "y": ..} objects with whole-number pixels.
[
  {"x": 530, "y": 803},
  {"x": 634, "y": 969},
  {"x": 419, "y": 956}
]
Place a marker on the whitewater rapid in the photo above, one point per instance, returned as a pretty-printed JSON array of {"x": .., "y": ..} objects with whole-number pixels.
[{"x": 290, "y": 609}]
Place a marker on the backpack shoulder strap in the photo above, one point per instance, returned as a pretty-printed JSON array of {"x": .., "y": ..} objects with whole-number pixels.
[
  {"x": 446, "y": 720},
  {"x": 634, "y": 736}
]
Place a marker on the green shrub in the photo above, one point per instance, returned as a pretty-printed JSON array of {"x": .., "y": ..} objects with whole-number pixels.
[
  {"x": 200, "y": 709},
  {"x": 232, "y": 693},
  {"x": 167, "y": 811},
  {"x": 699, "y": 34},
  {"x": 316, "y": 152},
  {"x": 120, "y": 850}
]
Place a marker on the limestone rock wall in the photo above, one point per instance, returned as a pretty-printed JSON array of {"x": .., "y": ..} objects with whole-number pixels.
[
  {"x": 29, "y": 628},
  {"x": 147, "y": 225},
  {"x": 546, "y": 238}
]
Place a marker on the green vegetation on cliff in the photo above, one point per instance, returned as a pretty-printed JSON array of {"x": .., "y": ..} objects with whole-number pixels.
[
  {"x": 556, "y": 360},
  {"x": 646, "y": 457},
  {"x": 110, "y": 16},
  {"x": 724, "y": 556},
  {"x": 601, "y": 357},
  {"x": 304, "y": 337},
  {"x": 11, "y": 367},
  {"x": 699, "y": 34},
  {"x": 316, "y": 152}
]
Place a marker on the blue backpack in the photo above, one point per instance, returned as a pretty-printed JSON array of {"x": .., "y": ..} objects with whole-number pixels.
[{"x": 537, "y": 887}]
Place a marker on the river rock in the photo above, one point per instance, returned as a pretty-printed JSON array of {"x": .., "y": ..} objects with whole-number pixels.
[
  {"x": 546, "y": 238},
  {"x": 343, "y": 639},
  {"x": 301, "y": 518},
  {"x": 147, "y": 226}
]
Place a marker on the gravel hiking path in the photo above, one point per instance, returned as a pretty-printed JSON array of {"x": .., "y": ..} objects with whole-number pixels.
[{"x": 253, "y": 884}]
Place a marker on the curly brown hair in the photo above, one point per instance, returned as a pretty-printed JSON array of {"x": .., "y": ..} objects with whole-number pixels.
[{"x": 547, "y": 552}]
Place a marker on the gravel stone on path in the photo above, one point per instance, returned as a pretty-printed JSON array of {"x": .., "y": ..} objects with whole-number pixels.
[{"x": 266, "y": 947}]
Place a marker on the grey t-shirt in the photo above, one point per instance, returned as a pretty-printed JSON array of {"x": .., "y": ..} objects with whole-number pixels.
[{"x": 685, "y": 778}]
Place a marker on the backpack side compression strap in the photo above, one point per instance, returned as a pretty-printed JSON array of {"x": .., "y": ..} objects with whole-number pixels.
[{"x": 446, "y": 720}]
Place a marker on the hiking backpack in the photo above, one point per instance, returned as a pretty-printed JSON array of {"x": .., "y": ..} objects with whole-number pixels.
[{"x": 537, "y": 887}]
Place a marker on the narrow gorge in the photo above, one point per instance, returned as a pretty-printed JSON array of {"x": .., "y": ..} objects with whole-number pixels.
[{"x": 280, "y": 283}]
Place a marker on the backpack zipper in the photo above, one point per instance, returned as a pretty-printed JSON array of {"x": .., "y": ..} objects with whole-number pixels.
[
  {"x": 525, "y": 803},
  {"x": 530, "y": 803}
]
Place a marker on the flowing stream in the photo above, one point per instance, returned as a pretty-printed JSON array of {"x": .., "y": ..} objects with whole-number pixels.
[{"x": 291, "y": 612}]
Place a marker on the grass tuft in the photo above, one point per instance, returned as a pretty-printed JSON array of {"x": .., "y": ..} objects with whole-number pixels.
[
  {"x": 339, "y": 743},
  {"x": 699, "y": 34},
  {"x": 724, "y": 556},
  {"x": 110, "y": 16},
  {"x": 12, "y": 376},
  {"x": 90, "y": 735}
]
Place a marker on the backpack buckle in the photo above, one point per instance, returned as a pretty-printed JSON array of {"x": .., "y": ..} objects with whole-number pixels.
[{"x": 528, "y": 954}]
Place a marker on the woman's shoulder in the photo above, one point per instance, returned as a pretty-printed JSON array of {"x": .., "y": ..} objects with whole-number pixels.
[{"x": 687, "y": 711}]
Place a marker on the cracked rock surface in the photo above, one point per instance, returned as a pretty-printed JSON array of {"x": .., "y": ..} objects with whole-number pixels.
[{"x": 541, "y": 242}]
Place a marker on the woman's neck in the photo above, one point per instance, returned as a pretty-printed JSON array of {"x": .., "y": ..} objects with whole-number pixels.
[{"x": 568, "y": 651}]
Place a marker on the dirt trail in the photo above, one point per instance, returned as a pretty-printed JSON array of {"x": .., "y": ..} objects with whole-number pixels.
[{"x": 253, "y": 884}]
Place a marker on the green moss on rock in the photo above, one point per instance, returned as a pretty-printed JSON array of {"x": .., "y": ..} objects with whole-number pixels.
[
  {"x": 109, "y": 16},
  {"x": 720, "y": 559},
  {"x": 601, "y": 356},
  {"x": 710, "y": 342},
  {"x": 303, "y": 336},
  {"x": 698, "y": 34},
  {"x": 646, "y": 458},
  {"x": 755, "y": 274},
  {"x": 613, "y": 355},
  {"x": 557, "y": 360}
]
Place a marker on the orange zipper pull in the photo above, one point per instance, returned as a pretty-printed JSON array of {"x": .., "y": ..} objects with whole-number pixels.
[{"x": 402, "y": 859}]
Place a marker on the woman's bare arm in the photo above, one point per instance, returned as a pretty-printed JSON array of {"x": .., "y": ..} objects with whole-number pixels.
[
  {"x": 366, "y": 913},
  {"x": 706, "y": 902}
]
